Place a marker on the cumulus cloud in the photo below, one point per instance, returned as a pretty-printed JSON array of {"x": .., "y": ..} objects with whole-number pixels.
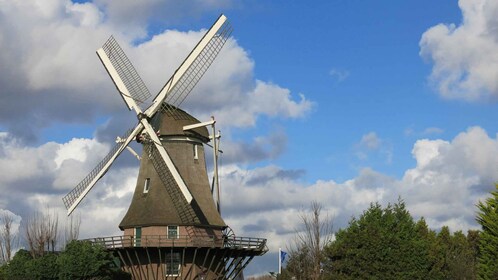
[
  {"x": 443, "y": 187},
  {"x": 465, "y": 56},
  {"x": 51, "y": 74},
  {"x": 37, "y": 177},
  {"x": 135, "y": 16},
  {"x": 48, "y": 59},
  {"x": 449, "y": 177}
]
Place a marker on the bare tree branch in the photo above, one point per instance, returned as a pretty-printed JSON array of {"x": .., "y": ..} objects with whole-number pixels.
[
  {"x": 41, "y": 232},
  {"x": 72, "y": 229},
  {"x": 306, "y": 250}
]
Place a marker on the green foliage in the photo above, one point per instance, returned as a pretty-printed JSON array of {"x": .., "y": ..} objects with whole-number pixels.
[
  {"x": 386, "y": 243},
  {"x": 43, "y": 268},
  {"x": 80, "y": 260},
  {"x": 17, "y": 269},
  {"x": 3, "y": 272},
  {"x": 487, "y": 217},
  {"x": 83, "y": 260},
  {"x": 453, "y": 256},
  {"x": 381, "y": 244}
]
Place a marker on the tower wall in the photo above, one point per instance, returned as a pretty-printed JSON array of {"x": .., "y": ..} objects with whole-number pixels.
[{"x": 158, "y": 206}]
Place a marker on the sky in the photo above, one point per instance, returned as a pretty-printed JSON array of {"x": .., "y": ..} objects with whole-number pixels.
[{"x": 341, "y": 102}]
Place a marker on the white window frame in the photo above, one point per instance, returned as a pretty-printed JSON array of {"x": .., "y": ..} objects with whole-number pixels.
[
  {"x": 137, "y": 240},
  {"x": 177, "y": 232},
  {"x": 147, "y": 185},
  {"x": 196, "y": 152}
]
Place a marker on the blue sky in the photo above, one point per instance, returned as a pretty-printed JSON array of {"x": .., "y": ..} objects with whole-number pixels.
[{"x": 344, "y": 102}]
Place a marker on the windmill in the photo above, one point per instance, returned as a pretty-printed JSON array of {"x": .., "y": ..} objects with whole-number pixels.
[{"x": 173, "y": 227}]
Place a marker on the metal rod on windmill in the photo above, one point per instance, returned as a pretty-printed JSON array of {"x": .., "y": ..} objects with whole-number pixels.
[
  {"x": 216, "y": 153},
  {"x": 215, "y": 137}
]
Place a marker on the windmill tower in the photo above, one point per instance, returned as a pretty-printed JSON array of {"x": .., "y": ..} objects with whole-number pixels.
[{"x": 173, "y": 228}]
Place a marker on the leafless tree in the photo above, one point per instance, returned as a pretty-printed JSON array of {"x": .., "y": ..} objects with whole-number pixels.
[
  {"x": 8, "y": 238},
  {"x": 41, "y": 232},
  {"x": 306, "y": 250},
  {"x": 72, "y": 228}
]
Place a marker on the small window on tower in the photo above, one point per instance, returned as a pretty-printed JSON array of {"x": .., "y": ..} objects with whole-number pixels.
[
  {"x": 172, "y": 232},
  {"x": 137, "y": 240},
  {"x": 196, "y": 153},
  {"x": 147, "y": 185}
]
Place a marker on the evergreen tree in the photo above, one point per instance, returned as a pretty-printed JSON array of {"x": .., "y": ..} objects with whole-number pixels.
[
  {"x": 383, "y": 243},
  {"x": 43, "y": 268},
  {"x": 487, "y": 217}
]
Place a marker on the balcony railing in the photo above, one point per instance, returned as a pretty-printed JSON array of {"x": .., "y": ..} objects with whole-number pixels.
[{"x": 115, "y": 242}]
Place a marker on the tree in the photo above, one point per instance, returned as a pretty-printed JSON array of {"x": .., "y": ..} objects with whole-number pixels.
[
  {"x": 43, "y": 268},
  {"x": 41, "y": 232},
  {"x": 72, "y": 229},
  {"x": 306, "y": 251},
  {"x": 460, "y": 257},
  {"x": 8, "y": 238},
  {"x": 487, "y": 217},
  {"x": 84, "y": 260},
  {"x": 80, "y": 260},
  {"x": 17, "y": 269},
  {"x": 383, "y": 243}
]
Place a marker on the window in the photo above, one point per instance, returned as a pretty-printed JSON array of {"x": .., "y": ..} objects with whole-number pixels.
[
  {"x": 196, "y": 152},
  {"x": 173, "y": 264},
  {"x": 137, "y": 236},
  {"x": 172, "y": 232},
  {"x": 147, "y": 185}
]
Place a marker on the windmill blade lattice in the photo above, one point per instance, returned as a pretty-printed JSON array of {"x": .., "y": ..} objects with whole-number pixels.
[
  {"x": 72, "y": 199},
  {"x": 197, "y": 68},
  {"x": 135, "y": 85}
]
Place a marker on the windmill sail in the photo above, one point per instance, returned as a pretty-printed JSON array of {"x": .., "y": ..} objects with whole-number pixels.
[
  {"x": 198, "y": 67},
  {"x": 74, "y": 197},
  {"x": 133, "y": 91},
  {"x": 193, "y": 67},
  {"x": 129, "y": 76}
]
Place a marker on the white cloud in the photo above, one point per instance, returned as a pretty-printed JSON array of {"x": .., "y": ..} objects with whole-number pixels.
[
  {"x": 16, "y": 221},
  {"x": 465, "y": 57},
  {"x": 370, "y": 141},
  {"x": 447, "y": 181},
  {"x": 134, "y": 16},
  {"x": 444, "y": 186},
  {"x": 48, "y": 58},
  {"x": 36, "y": 177}
]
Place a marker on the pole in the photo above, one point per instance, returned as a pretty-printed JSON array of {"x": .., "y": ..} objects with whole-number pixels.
[
  {"x": 215, "y": 167},
  {"x": 279, "y": 260}
]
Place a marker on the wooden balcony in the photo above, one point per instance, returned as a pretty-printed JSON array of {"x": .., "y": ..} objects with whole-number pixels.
[{"x": 128, "y": 241}]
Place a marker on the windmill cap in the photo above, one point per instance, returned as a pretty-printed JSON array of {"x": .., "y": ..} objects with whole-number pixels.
[{"x": 171, "y": 121}]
